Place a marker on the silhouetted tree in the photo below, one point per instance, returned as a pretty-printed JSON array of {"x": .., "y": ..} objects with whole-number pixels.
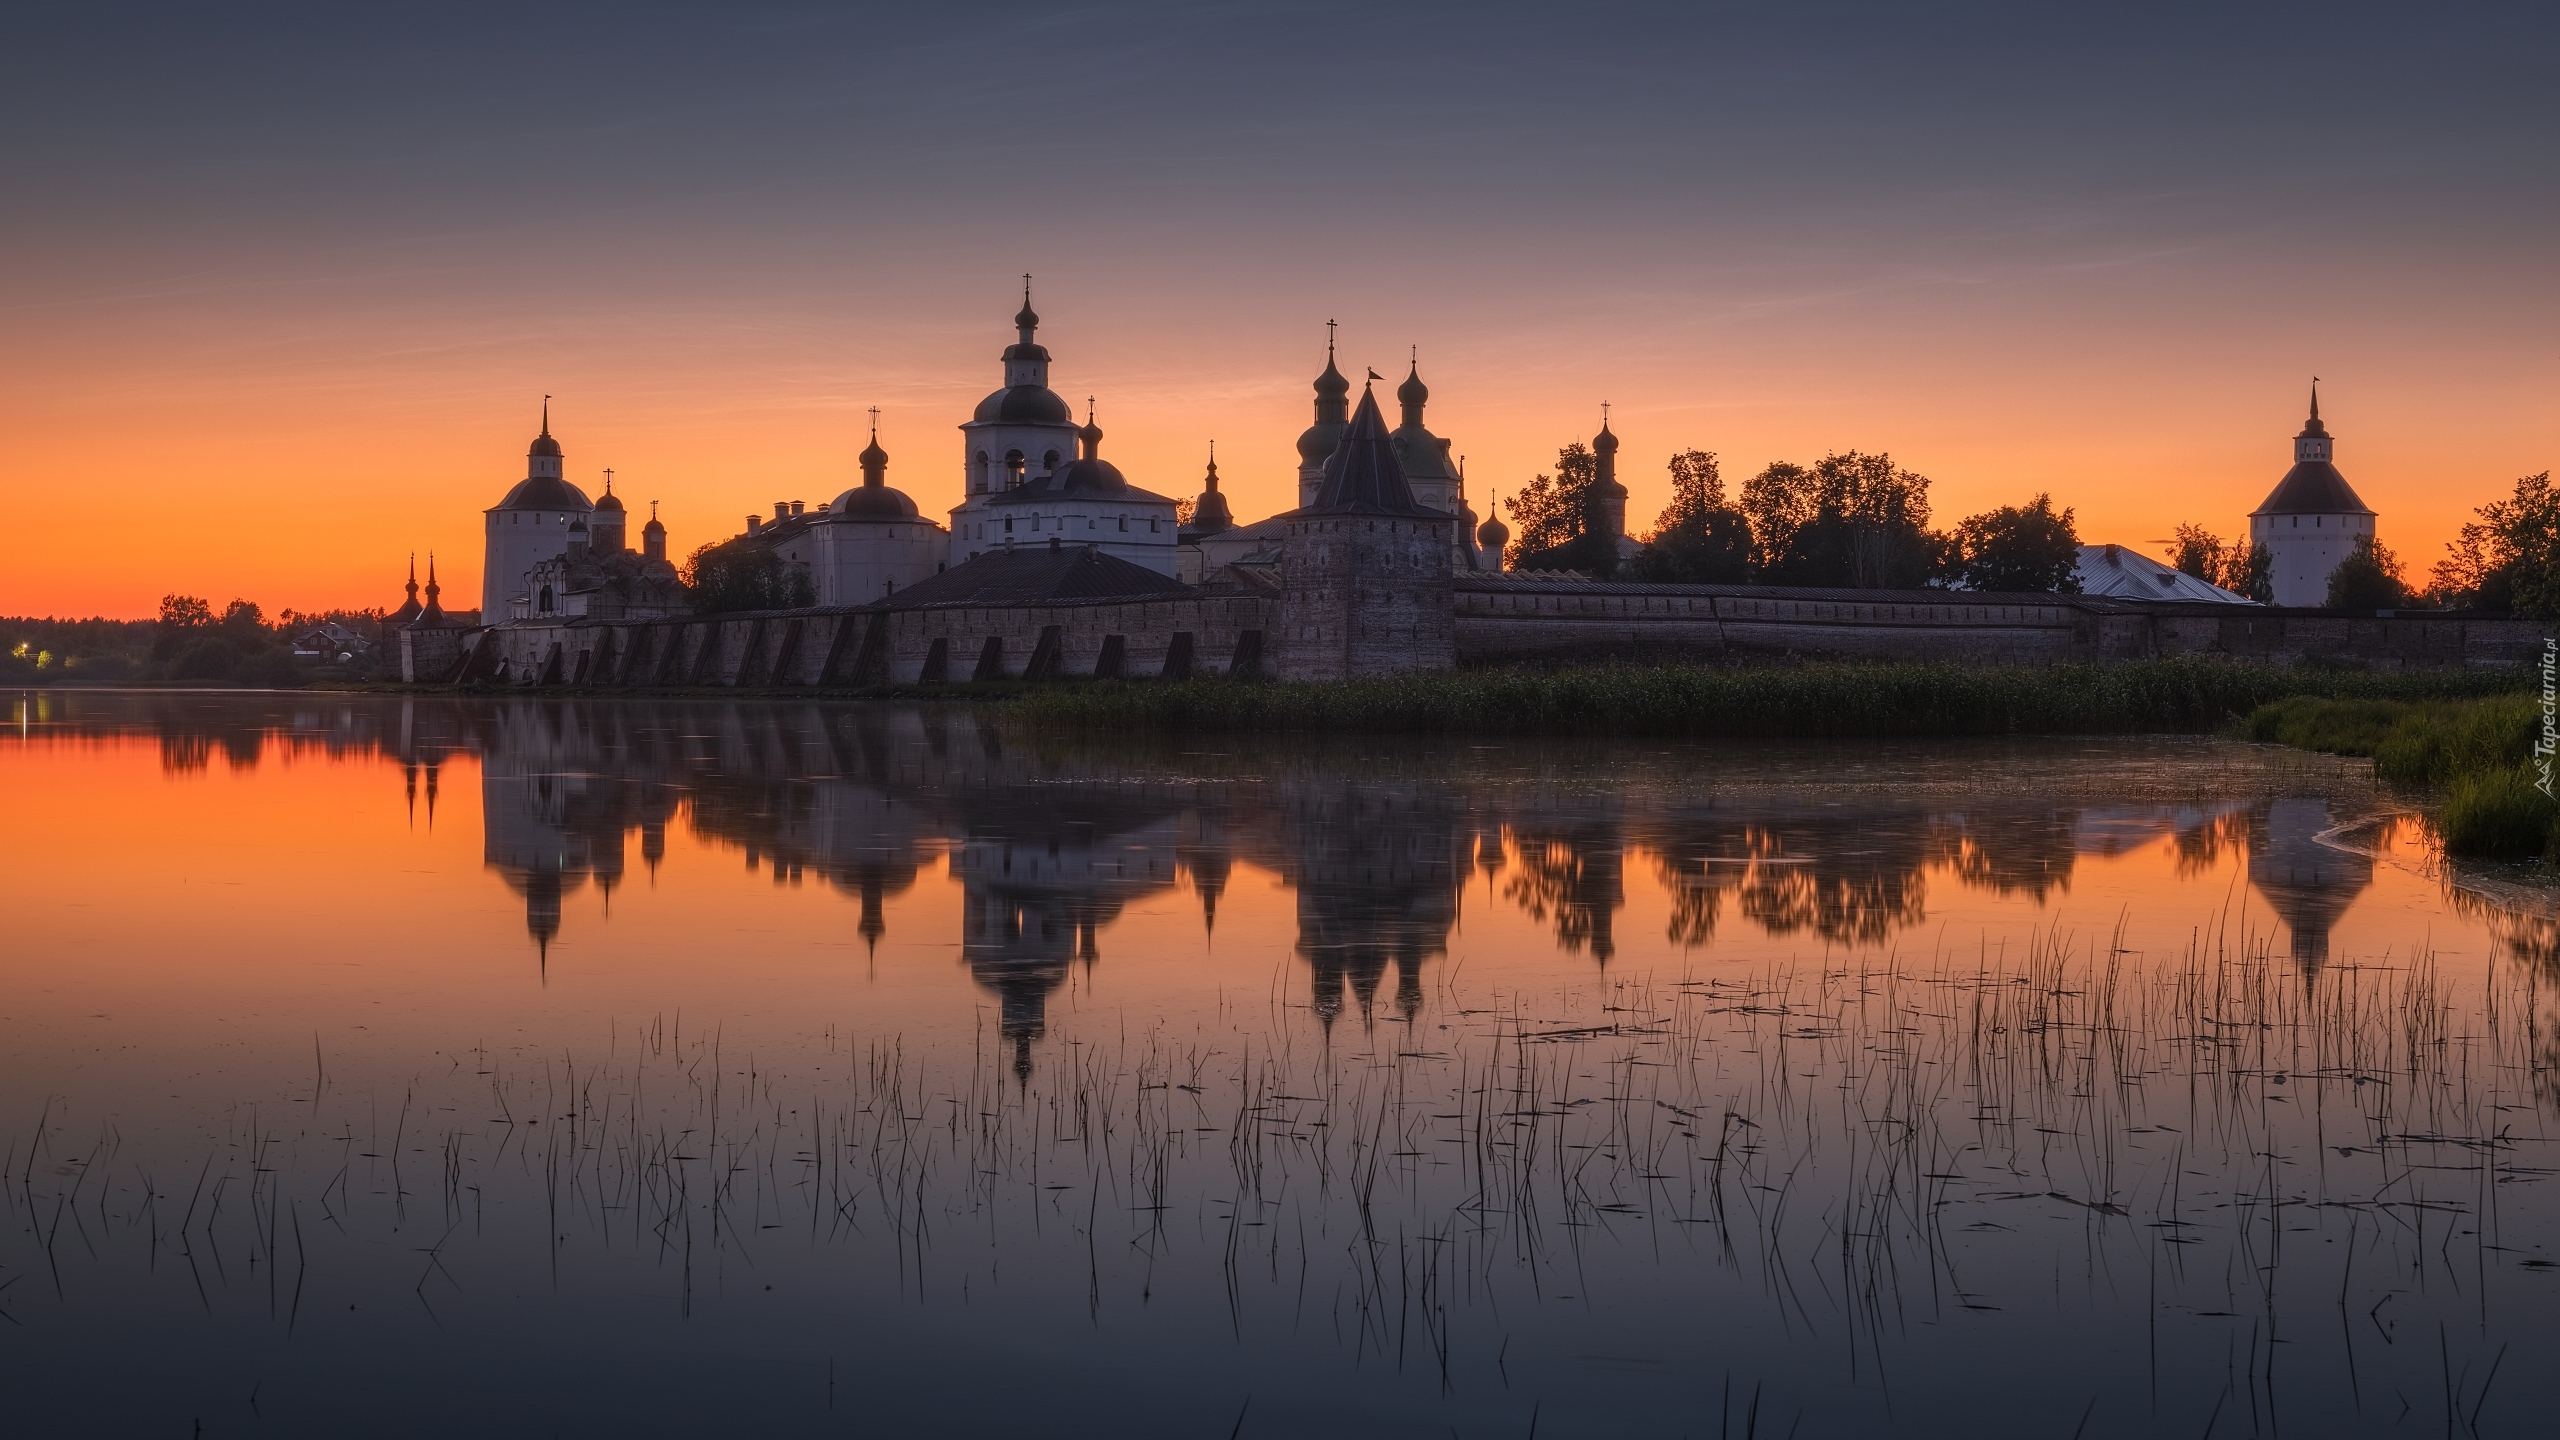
[
  {"x": 2019, "y": 548},
  {"x": 1699, "y": 539},
  {"x": 1852, "y": 520},
  {"x": 739, "y": 574},
  {"x": 2509, "y": 558},
  {"x": 2369, "y": 579},
  {"x": 2236, "y": 565},
  {"x": 1556, "y": 522}
]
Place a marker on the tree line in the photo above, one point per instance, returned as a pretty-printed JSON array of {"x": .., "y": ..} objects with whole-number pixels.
[
  {"x": 1850, "y": 521},
  {"x": 189, "y": 642},
  {"x": 1859, "y": 521}
]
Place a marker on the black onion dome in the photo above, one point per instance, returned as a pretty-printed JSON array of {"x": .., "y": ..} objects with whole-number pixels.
[
  {"x": 1330, "y": 384},
  {"x": 874, "y": 502},
  {"x": 1209, "y": 512},
  {"x": 1413, "y": 391},
  {"x": 1605, "y": 443},
  {"x": 872, "y": 455},
  {"x": 1493, "y": 534},
  {"x": 1089, "y": 476},
  {"x": 609, "y": 501},
  {"x": 1024, "y": 405},
  {"x": 545, "y": 492},
  {"x": 1318, "y": 441}
]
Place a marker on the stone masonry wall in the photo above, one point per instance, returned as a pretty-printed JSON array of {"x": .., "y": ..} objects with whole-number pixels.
[
  {"x": 1137, "y": 639},
  {"x": 1551, "y": 622}
]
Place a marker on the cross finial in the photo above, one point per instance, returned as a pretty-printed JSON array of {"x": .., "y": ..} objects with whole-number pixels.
[
  {"x": 1413, "y": 356},
  {"x": 1328, "y": 341},
  {"x": 653, "y": 509},
  {"x": 1088, "y": 409},
  {"x": 608, "y": 479},
  {"x": 875, "y": 422},
  {"x": 1026, "y": 287}
]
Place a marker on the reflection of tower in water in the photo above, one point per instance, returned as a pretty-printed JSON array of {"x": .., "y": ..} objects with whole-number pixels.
[
  {"x": 1033, "y": 902},
  {"x": 2308, "y": 884},
  {"x": 1379, "y": 867}
]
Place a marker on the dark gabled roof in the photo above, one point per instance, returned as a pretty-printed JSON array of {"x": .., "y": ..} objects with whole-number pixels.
[
  {"x": 1363, "y": 475},
  {"x": 2313, "y": 487},
  {"x": 1032, "y": 576}
]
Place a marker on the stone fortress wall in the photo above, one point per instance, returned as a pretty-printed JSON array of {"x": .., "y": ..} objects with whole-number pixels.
[{"x": 1497, "y": 620}]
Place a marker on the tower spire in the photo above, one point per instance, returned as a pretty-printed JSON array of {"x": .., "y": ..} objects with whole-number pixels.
[
  {"x": 2315, "y": 399},
  {"x": 546, "y": 415}
]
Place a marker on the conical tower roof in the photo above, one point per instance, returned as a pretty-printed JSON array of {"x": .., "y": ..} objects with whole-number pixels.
[{"x": 1363, "y": 476}]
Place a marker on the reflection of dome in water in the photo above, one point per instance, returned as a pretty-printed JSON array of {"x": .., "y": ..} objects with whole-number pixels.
[{"x": 2308, "y": 884}]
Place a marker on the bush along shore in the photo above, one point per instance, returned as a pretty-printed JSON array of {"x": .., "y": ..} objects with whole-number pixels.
[
  {"x": 1829, "y": 699},
  {"x": 2476, "y": 755}
]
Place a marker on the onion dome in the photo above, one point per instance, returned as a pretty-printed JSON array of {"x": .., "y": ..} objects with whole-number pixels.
[
  {"x": 1088, "y": 472},
  {"x": 1492, "y": 535},
  {"x": 1604, "y": 448},
  {"x": 608, "y": 500},
  {"x": 1413, "y": 394},
  {"x": 1333, "y": 412},
  {"x": 653, "y": 527},
  {"x": 1026, "y": 319},
  {"x": 1024, "y": 405},
  {"x": 874, "y": 498},
  {"x": 1209, "y": 513}
]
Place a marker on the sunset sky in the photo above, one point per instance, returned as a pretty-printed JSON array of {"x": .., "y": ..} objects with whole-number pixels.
[{"x": 282, "y": 286}]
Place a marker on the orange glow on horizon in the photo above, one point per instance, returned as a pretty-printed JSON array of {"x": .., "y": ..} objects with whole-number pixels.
[{"x": 307, "y": 478}]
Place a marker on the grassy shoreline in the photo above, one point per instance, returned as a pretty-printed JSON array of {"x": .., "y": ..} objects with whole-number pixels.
[
  {"x": 1829, "y": 699},
  {"x": 2476, "y": 755}
]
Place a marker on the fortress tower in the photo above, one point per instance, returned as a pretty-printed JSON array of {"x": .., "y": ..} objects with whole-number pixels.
[
  {"x": 1366, "y": 570},
  {"x": 2311, "y": 520}
]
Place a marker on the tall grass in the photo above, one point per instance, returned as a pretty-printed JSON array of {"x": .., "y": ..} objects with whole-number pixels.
[
  {"x": 1833, "y": 699},
  {"x": 2478, "y": 753}
]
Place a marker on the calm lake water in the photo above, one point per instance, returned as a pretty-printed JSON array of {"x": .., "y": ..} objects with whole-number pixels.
[{"x": 437, "y": 1067}]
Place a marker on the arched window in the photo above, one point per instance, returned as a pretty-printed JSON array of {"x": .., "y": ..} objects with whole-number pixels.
[
  {"x": 978, "y": 482},
  {"x": 546, "y": 597},
  {"x": 1050, "y": 461},
  {"x": 1012, "y": 468}
]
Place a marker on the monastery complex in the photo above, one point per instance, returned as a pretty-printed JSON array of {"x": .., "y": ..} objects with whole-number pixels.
[{"x": 1054, "y": 563}]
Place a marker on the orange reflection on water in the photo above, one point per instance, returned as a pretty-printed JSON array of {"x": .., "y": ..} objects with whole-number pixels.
[{"x": 216, "y": 896}]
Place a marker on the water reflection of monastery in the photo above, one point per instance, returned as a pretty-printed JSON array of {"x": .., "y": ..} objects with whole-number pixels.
[{"x": 1050, "y": 850}]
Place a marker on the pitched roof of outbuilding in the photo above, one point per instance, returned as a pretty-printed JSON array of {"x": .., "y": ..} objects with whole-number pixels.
[{"x": 1033, "y": 576}]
